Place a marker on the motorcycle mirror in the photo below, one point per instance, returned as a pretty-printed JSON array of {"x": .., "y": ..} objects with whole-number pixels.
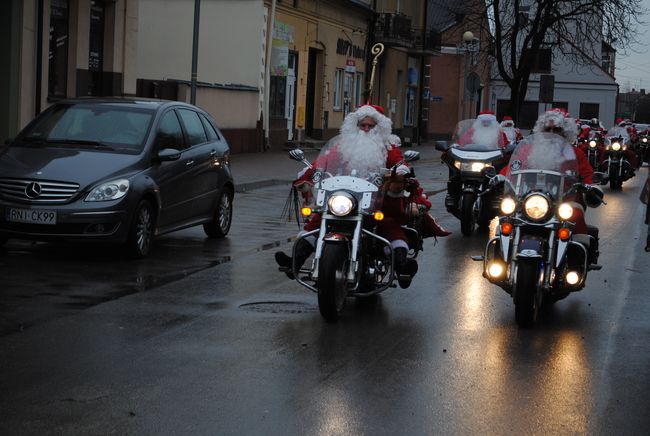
[
  {"x": 442, "y": 145},
  {"x": 478, "y": 258},
  {"x": 599, "y": 178},
  {"x": 511, "y": 147},
  {"x": 297, "y": 154},
  {"x": 490, "y": 172},
  {"x": 411, "y": 155}
]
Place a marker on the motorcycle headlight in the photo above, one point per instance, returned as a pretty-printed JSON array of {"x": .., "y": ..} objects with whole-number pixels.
[
  {"x": 645, "y": 140},
  {"x": 565, "y": 211},
  {"x": 536, "y": 207},
  {"x": 616, "y": 146},
  {"x": 457, "y": 164},
  {"x": 475, "y": 167},
  {"x": 508, "y": 205},
  {"x": 592, "y": 143},
  {"x": 340, "y": 204},
  {"x": 109, "y": 191}
]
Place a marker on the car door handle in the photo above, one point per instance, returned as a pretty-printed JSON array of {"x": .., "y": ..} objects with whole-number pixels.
[
  {"x": 213, "y": 153},
  {"x": 189, "y": 163}
]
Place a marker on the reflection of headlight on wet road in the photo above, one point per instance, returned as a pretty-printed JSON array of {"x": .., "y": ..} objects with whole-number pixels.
[{"x": 340, "y": 204}]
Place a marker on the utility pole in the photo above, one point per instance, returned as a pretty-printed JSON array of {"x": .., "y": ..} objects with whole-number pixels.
[{"x": 195, "y": 49}]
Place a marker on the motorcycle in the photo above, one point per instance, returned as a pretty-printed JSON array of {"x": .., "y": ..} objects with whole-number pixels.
[
  {"x": 592, "y": 148},
  {"x": 616, "y": 166},
  {"x": 644, "y": 149},
  {"x": 351, "y": 259},
  {"x": 535, "y": 256},
  {"x": 471, "y": 165}
]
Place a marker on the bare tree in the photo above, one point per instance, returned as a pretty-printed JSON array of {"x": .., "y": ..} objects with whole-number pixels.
[{"x": 518, "y": 30}]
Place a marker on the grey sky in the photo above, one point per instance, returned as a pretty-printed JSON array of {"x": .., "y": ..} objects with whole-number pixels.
[{"x": 633, "y": 69}]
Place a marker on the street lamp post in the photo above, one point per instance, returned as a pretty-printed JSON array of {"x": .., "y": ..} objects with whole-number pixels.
[{"x": 472, "y": 80}]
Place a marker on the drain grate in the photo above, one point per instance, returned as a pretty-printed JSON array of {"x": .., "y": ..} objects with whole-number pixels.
[{"x": 279, "y": 307}]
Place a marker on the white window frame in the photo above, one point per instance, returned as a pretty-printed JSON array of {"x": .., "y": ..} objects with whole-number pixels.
[
  {"x": 338, "y": 90},
  {"x": 358, "y": 97}
]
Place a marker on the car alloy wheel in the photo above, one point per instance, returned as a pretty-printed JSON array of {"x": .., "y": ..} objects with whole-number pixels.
[
  {"x": 222, "y": 218},
  {"x": 141, "y": 233}
]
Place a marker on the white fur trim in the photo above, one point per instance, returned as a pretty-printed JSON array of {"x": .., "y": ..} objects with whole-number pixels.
[
  {"x": 384, "y": 124},
  {"x": 487, "y": 117},
  {"x": 398, "y": 243}
]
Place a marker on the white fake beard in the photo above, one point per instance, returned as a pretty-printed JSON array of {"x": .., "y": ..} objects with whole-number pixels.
[
  {"x": 544, "y": 156},
  {"x": 363, "y": 151},
  {"x": 486, "y": 135},
  {"x": 510, "y": 133}
]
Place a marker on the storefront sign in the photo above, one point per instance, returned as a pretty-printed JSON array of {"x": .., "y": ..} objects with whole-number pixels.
[
  {"x": 282, "y": 36},
  {"x": 344, "y": 47}
]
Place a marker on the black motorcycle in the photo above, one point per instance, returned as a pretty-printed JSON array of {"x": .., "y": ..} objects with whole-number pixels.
[
  {"x": 616, "y": 166},
  {"x": 351, "y": 259},
  {"x": 471, "y": 166},
  {"x": 535, "y": 256},
  {"x": 643, "y": 149}
]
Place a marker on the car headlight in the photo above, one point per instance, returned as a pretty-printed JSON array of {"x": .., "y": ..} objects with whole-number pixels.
[
  {"x": 508, "y": 205},
  {"x": 536, "y": 206},
  {"x": 616, "y": 146},
  {"x": 592, "y": 143},
  {"x": 340, "y": 204},
  {"x": 109, "y": 191},
  {"x": 565, "y": 211}
]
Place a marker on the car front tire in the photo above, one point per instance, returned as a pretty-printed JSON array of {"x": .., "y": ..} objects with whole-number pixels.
[
  {"x": 219, "y": 226},
  {"x": 141, "y": 232}
]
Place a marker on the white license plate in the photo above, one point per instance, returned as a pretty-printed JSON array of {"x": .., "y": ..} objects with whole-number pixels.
[{"x": 32, "y": 216}]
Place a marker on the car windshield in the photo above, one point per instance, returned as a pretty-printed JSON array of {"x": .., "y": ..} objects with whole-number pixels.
[
  {"x": 543, "y": 162},
  {"x": 111, "y": 126},
  {"x": 478, "y": 136}
]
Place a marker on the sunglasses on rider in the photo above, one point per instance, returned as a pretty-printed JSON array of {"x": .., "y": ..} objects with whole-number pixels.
[{"x": 366, "y": 125}]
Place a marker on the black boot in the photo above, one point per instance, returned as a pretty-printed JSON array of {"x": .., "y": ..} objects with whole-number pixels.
[
  {"x": 404, "y": 267},
  {"x": 303, "y": 250}
]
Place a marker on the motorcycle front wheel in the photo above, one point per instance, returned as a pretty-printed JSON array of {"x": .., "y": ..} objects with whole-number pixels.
[
  {"x": 467, "y": 220},
  {"x": 332, "y": 272},
  {"x": 526, "y": 300},
  {"x": 614, "y": 179}
]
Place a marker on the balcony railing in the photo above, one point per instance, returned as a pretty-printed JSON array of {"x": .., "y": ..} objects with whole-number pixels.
[
  {"x": 394, "y": 29},
  {"x": 428, "y": 43}
]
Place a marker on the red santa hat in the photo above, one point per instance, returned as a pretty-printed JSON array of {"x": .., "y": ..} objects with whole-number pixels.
[
  {"x": 486, "y": 116},
  {"x": 507, "y": 118},
  {"x": 618, "y": 121}
]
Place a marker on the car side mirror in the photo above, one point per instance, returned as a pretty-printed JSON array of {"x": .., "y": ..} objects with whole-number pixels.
[
  {"x": 442, "y": 145},
  {"x": 297, "y": 154},
  {"x": 411, "y": 155},
  {"x": 169, "y": 154}
]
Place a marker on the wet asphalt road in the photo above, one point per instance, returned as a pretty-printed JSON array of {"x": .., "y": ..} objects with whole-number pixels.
[{"x": 206, "y": 337}]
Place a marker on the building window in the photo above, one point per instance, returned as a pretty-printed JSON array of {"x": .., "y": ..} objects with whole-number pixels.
[
  {"x": 348, "y": 93},
  {"x": 542, "y": 62},
  {"x": 561, "y": 105},
  {"x": 528, "y": 113},
  {"x": 58, "y": 50},
  {"x": 589, "y": 110},
  {"x": 96, "y": 47},
  {"x": 409, "y": 113},
  {"x": 338, "y": 84},
  {"x": 358, "y": 95},
  {"x": 277, "y": 96}
]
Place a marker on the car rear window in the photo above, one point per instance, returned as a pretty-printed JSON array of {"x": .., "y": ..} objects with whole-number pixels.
[{"x": 122, "y": 128}]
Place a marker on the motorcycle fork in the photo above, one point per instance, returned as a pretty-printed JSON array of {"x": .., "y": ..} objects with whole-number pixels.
[{"x": 324, "y": 235}]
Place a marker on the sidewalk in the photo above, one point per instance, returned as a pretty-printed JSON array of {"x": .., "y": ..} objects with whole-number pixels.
[{"x": 256, "y": 170}]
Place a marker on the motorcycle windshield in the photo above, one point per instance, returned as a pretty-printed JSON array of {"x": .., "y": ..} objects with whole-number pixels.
[
  {"x": 619, "y": 131},
  {"x": 355, "y": 164},
  {"x": 358, "y": 156},
  {"x": 543, "y": 162},
  {"x": 474, "y": 135}
]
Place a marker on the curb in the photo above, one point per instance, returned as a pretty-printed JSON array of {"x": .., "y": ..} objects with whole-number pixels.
[{"x": 251, "y": 186}]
